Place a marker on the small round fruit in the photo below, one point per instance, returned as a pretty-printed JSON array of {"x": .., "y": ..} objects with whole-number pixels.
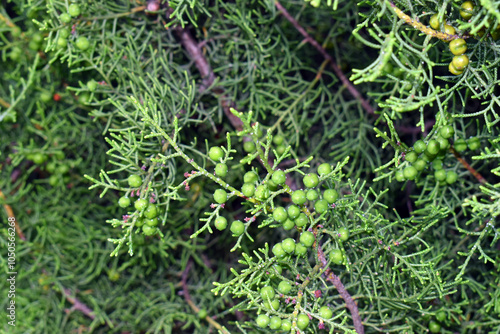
[
  {"x": 249, "y": 146},
  {"x": 437, "y": 164},
  {"x": 434, "y": 327},
  {"x": 441, "y": 316},
  {"x": 466, "y": 10},
  {"x": 237, "y": 227},
  {"x": 124, "y": 201},
  {"x": 453, "y": 70},
  {"x": 288, "y": 225},
  {"x": 275, "y": 322},
  {"x": 278, "y": 250},
  {"x": 284, "y": 287},
  {"x": 51, "y": 167},
  {"x": 301, "y": 220},
  {"x": 321, "y": 206},
  {"x": 278, "y": 140},
  {"x": 221, "y": 169},
  {"x": 312, "y": 195},
  {"x": 336, "y": 256},
  {"x": 92, "y": 85},
  {"x": 325, "y": 312},
  {"x": 279, "y": 177},
  {"x": 141, "y": 204},
  {"x": 267, "y": 292},
  {"x": 151, "y": 221},
  {"x": 302, "y": 321},
  {"x": 300, "y": 250},
  {"x": 444, "y": 144},
  {"x": 451, "y": 177},
  {"x": 54, "y": 180},
  {"x": 277, "y": 268},
  {"x": 311, "y": 180},
  {"x": 458, "y": 46},
  {"x": 343, "y": 233},
  {"x": 286, "y": 325},
  {"x": 280, "y": 149},
  {"x": 400, "y": 177},
  {"x": 65, "y": 18},
  {"x": 248, "y": 189},
  {"x": 449, "y": 29},
  {"x": 74, "y": 10},
  {"x": 220, "y": 196},
  {"x": 261, "y": 193},
  {"x": 64, "y": 33},
  {"x": 433, "y": 147},
  {"x": 440, "y": 175},
  {"x": 82, "y": 43},
  {"x": 330, "y": 195},
  {"x": 420, "y": 165},
  {"x": 460, "y": 145},
  {"x": 324, "y": 169},
  {"x": 474, "y": 143},
  {"x": 410, "y": 173},
  {"x": 151, "y": 211},
  {"x": 39, "y": 158},
  {"x": 149, "y": 230},
  {"x": 135, "y": 181},
  {"x": 220, "y": 223},
  {"x": 419, "y": 146},
  {"x": 434, "y": 22},
  {"x": 460, "y": 63},
  {"x": 273, "y": 305},
  {"x": 411, "y": 156},
  {"x": 250, "y": 177},
  {"x": 216, "y": 153},
  {"x": 202, "y": 314},
  {"x": 299, "y": 197},
  {"x": 262, "y": 321},
  {"x": 293, "y": 211},
  {"x": 307, "y": 238},
  {"x": 288, "y": 245},
  {"x": 62, "y": 43},
  {"x": 279, "y": 214}
]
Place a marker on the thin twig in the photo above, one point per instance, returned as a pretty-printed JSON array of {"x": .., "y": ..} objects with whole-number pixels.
[
  {"x": 78, "y": 305},
  {"x": 474, "y": 172},
  {"x": 10, "y": 214},
  {"x": 194, "y": 50},
  {"x": 350, "y": 87}
]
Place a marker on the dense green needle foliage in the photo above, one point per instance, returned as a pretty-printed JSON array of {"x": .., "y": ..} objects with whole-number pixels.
[{"x": 250, "y": 166}]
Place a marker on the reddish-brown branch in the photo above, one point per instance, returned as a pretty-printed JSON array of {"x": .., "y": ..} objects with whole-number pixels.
[
  {"x": 10, "y": 214},
  {"x": 349, "y": 302},
  {"x": 78, "y": 305},
  {"x": 474, "y": 172},
  {"x": 194, "y": 50},
  {"x": 350, "y": 87}
]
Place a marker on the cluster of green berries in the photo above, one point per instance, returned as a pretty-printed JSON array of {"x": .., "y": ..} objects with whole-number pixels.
[
  {"x": 435, "y": 326},
  {"x": 216, "y": 153},
  {"x": 149, "y": 212},
  {"x": 431, "y": 153},
  {"x": 268, "y": 295},
  {"x": 82, "y": 42},
  {"x": 56, "y": 167}
]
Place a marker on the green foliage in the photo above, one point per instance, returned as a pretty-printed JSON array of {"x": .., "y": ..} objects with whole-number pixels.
[{"x": 195, "y": 167}]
